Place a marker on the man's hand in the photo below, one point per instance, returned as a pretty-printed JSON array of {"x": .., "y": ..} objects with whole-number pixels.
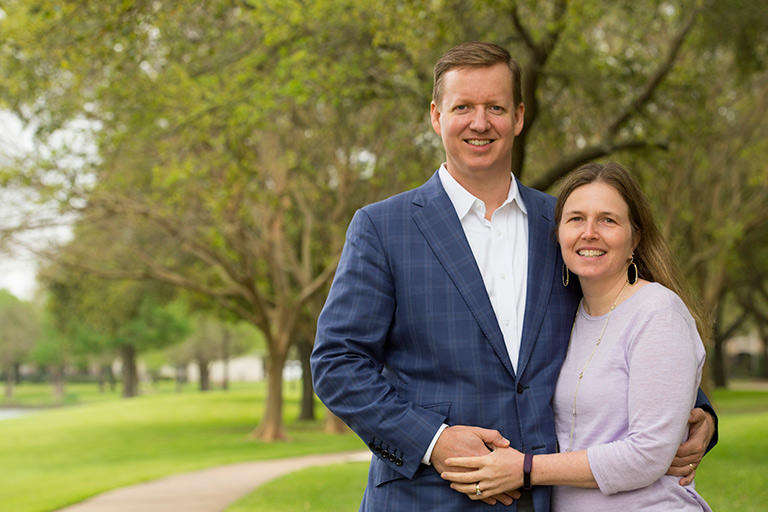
[
  {"x": 689, "y": 455},
  {"x": 465, "y": 441}
]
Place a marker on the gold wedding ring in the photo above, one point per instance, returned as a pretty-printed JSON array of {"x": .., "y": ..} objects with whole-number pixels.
[{"x": 478, "y": 492}]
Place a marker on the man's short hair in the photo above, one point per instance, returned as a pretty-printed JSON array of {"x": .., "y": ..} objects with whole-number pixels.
[{"x": 476, "y": 54}]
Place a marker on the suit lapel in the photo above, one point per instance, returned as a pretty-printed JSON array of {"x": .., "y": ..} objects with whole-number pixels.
[
  {"x": 437, "y": 220},
  {"x": 542, "y": 259}
]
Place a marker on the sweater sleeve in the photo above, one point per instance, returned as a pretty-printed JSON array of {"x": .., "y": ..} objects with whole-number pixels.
[{"x": 664, "y": 363}]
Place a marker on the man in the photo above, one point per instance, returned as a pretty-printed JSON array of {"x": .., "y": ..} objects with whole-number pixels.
[{"x": 448, "y": 308}]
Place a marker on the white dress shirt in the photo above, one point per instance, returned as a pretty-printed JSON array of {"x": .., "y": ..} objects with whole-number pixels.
[{"x": 500, "y": 248}]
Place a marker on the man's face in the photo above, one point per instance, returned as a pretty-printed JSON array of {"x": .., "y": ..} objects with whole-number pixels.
[{"x": 477, "y": 121}]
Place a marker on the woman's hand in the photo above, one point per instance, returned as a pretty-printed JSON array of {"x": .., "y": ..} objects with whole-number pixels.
[{"x": 499, "y": 472}]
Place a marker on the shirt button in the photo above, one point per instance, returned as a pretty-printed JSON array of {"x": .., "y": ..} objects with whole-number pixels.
[{"x": 503, "y": 276}]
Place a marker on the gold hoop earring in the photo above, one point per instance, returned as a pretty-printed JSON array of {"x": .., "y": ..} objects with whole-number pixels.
[
  {"x": 566, "y": 275},
  {"x": 629, "y": 270}
]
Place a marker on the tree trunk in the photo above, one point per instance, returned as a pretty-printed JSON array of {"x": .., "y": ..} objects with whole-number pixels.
[
  {"x": 9, "y": 382},
  {"x": 762, "y": 331},
  {"x": 719, "y": 374},
  {"x": 205, "y": 375},
  {"x": 181, "y": 376},
  {"x": 307, "y": 389},
  {"x": 271, "y": 428},
  {"x": 130, "y": 373},
  {"x": 333, "y": 424},
  {"x": 101, "y": 379},
  {"x": 57, "y": 379},
  {"x": 225, "y": 359}
]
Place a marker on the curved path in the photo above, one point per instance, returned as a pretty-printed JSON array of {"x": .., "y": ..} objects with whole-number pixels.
[{"x": 207, "y": 490}]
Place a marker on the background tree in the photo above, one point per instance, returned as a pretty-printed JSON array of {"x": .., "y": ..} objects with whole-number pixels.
[
  {"x": 117, "y": 318},
  {"x": 235, "y": 139},
  {"x": 20, "y": 329},
  {"x": 54, "y": 353},
  {"x": 210, "y": 340}
]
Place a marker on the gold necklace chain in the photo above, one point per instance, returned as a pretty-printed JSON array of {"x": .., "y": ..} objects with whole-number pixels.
[{"x": 597, "y": 344}]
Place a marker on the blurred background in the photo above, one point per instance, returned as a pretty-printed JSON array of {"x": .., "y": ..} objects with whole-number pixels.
[{"x": 176, "y": 178}]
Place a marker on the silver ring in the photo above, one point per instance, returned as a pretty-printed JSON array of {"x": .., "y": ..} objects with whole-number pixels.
[{"x": 478, "y": 492}]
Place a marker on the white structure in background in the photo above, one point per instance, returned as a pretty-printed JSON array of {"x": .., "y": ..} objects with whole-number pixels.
[
  {"x": 241, "y": 369},
  {"x": 249, "y": 368},
  {"x": 743, "y": 354}
]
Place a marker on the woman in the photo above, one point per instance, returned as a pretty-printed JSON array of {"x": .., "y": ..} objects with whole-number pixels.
[{"x": 633, "y": 364}]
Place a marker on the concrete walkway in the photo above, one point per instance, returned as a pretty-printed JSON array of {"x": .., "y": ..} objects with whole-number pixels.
[{"x": 208, "y": 490}]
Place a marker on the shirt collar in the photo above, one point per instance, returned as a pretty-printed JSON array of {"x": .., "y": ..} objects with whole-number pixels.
[{"x": 463, "y": 201}]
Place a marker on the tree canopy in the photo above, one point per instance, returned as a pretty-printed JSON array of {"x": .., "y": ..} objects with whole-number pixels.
[{"x": 229, "y": 142}]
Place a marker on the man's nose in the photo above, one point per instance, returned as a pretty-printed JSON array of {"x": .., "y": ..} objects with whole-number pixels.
[{"x": 480, "y": 120}]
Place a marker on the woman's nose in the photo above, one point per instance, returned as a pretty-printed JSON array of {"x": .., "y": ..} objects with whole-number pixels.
[{"x": 590, "y": 231}]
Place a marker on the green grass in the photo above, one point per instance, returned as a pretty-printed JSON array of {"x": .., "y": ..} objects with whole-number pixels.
[
  {"x": 41, "y": 395},
  {"x": 336, "y": 488},
  {"x": 60, "y": 456},
  {"x": 732, "y": 478}
]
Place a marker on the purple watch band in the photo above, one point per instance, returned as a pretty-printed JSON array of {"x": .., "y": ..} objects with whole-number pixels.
[{"x": 527, "y": 464}]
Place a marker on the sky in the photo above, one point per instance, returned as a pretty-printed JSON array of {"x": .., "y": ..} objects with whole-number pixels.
[
  {"x": 17, "y": 271},
  {"x": 18, "y": 276}
]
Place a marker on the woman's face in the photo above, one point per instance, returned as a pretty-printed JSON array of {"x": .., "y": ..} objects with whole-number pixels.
[{"x": 595, "y": 234}]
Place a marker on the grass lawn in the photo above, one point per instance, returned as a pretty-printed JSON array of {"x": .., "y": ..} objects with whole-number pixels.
[
  {"x": 59, "y": 456},
  {"x": 732, "y": 478}
]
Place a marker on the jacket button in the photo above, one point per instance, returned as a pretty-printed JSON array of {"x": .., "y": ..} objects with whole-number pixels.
[
  {"x": 519, "y": 389},
  {"x": 385, "y": 454},
  {"x": 392, "y": 457},
  {"x": 399, "y": 462},
  {"x": 377, "y": 449}
]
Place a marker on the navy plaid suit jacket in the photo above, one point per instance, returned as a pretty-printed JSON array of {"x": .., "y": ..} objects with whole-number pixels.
[{"x": 408, "y": 340}]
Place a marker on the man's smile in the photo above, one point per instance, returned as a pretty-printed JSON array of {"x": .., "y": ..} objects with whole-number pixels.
[{"x": 478, "y": 142}]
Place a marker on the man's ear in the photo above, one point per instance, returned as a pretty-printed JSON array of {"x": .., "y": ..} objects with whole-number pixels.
[
  {"x": 519, "y": 118},
  {"x": 434, "y": 115}
]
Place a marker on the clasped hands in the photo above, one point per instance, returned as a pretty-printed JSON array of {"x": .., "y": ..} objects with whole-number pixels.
[
  {"x": 455, "y": 457},
  {"x": 474, "y": 458}
]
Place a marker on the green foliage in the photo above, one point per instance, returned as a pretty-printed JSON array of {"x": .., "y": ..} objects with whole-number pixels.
[
  {"x": 234, "y": 140},
  {"x": 19, "y": 321},
  {"x": 99, "y": 316}
]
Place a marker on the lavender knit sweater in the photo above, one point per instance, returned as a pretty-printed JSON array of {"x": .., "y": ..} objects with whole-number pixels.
[{"x": 633, "y": 404}]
